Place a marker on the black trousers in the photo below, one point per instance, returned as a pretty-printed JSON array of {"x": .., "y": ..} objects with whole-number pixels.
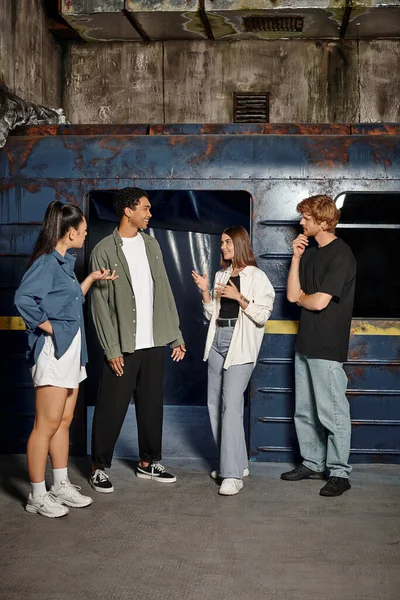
[{"x": 142, "y": 378}]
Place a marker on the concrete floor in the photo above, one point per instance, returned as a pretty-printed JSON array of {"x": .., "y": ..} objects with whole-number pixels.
[{"x": 274, "y": 541}]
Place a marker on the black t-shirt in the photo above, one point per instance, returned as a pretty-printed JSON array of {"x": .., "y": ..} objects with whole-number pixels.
[
  {"x": 230, "y": 308},
  {"x": 332, "y": 270}
]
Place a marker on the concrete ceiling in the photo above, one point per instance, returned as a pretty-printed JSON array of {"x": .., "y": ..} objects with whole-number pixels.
[{"x": 229, "y": 20}]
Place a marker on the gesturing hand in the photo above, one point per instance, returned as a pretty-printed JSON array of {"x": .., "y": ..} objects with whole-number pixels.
[
  {"x": 103, "y": 274},
  {"x": 178, "y": 353},
  {"x": 228, "y": 291},
  {"x": 299, "y": 245},
  {"x": 201, "y": 281}
]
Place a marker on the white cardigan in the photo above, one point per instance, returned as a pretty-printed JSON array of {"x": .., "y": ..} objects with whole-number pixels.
[{"x": 249, "y": 329}]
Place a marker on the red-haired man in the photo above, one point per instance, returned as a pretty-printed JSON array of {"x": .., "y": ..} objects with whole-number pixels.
[{"x": 322, "y": 281}]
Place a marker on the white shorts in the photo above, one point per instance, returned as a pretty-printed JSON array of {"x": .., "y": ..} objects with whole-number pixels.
[{"x": 66, "y": 372}]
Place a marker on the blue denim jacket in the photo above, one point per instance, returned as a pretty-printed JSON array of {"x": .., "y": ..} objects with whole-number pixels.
[{"x": 50, "y": 291}]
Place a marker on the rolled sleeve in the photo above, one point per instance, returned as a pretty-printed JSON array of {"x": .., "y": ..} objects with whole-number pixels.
[
  {"x": 208, "y": 307},
  {"x": 106, "y": 332},
  {"x": 35, "y": 286}
]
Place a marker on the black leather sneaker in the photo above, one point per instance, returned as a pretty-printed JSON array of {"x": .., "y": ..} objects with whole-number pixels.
[
  {"x": 156, "y": 472},
  {"x": 100, "y": 482},
  {"x": 335, "y": 486},
  {"x": 302, "y": 472}
]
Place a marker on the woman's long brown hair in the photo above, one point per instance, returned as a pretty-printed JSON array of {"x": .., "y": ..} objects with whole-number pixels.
[{"x": 244, "y": 255}]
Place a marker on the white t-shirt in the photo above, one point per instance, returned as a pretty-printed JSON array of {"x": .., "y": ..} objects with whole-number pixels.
[{"x": 142, "y": 283}]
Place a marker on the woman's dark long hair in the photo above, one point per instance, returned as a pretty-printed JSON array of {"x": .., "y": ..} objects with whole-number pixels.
[
  {"x": 58, "y": 220},
  {"x": 244, "y": 255}
]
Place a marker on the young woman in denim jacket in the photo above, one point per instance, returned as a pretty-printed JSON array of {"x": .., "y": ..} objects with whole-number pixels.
[
  {"x": 238, "y": 309},
  {"x": 50, "y": 299}
]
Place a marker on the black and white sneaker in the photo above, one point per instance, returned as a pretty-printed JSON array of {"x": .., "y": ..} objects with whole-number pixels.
[
  {"x": 155, "y": 471},
  {"x": 100, "y": 482}
]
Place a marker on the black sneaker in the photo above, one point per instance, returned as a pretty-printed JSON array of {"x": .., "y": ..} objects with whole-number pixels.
[
  {"x": 335, "y": 486},
  {"x": 155, "y": 471},
  {"x": 302, "y": 472},
  {"x": 100, "y": 482}
]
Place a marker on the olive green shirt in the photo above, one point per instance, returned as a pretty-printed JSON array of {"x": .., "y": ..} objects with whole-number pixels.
[{"x": 113, "y": 302}]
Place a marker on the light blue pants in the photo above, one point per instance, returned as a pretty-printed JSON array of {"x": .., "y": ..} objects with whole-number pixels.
[
  {"x": 322, "y": 415},
  {"x": 225, "y": 396}
]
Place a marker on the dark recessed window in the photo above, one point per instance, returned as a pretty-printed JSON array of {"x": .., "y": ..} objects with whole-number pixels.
[{"x": 370, "y": 225}]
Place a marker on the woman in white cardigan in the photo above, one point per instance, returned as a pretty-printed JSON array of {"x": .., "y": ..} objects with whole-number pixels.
[{"x": 238, "y": 308}]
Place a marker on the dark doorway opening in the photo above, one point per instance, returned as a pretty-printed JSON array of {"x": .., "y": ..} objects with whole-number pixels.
[
  {"x": 370, "y": 225},
  {"x": 188, "y": 227}
]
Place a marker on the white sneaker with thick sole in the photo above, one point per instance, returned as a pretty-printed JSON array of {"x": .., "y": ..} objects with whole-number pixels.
[
  {"x": 46, "y": 505},
  {"x": 216, "y": 475},
  {"x": 70, "y": 495},
  {"x": 230, "y": 486}
]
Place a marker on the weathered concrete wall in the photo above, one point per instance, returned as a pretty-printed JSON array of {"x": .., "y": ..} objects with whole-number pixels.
[
  {"x": 380, "y": 81},
  {"x": 30, "y": 60},
  {"x": 307, "y": 81},
  {"x": 193, "y": 82},
  {"x": 114, "y": 83}
]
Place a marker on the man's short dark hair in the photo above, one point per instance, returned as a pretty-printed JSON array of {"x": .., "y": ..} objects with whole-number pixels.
[{"x": 128, "y": 198}]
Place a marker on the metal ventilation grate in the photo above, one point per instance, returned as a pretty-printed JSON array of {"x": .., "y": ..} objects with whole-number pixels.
[
  {"x": 251, "y": 108},
  {"x": 256, "y": 24}
]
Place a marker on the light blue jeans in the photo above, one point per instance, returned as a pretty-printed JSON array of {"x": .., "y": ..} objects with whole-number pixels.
[
  {"x": 225, "y": 397},
  {"x": 322, "y": 415}
]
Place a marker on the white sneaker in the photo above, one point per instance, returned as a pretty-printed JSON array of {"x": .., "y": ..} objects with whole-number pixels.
[
  {"x": 46, "y": 505},
  {"x": 230, "y": 486},
  {"x": 70, "y": 495},
  {"x": 216, "y": 475}
]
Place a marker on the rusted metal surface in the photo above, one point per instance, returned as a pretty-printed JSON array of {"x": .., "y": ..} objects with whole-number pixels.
[
  {"x": 375, "y": 129},
  {"x": 208, "y": 129},
  {"x": 278, "y": 166},
  {"x": 252, "y": 129},
  {"x": 211, "y": 157},
  {"x": 87, "y": 130},
  {"x": 313, "y": 129}
]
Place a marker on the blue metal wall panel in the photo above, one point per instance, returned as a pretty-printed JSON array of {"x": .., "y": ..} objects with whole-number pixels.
[
  {"x": 278, "y": 170},
  {"x": 215, "y": 157}
]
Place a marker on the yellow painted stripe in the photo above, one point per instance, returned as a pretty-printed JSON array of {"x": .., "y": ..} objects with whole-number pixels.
[
  {"x": 12, "y": 324},
  {"x": 357, "y": 327},
  {"x": 372, "y": 328},
  {"x": 282, "y": 327},
  {"x": 272, "y": 327}
]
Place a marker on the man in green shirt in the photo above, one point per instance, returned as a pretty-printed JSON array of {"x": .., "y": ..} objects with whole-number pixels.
[{"x": 135, "y": 317}]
